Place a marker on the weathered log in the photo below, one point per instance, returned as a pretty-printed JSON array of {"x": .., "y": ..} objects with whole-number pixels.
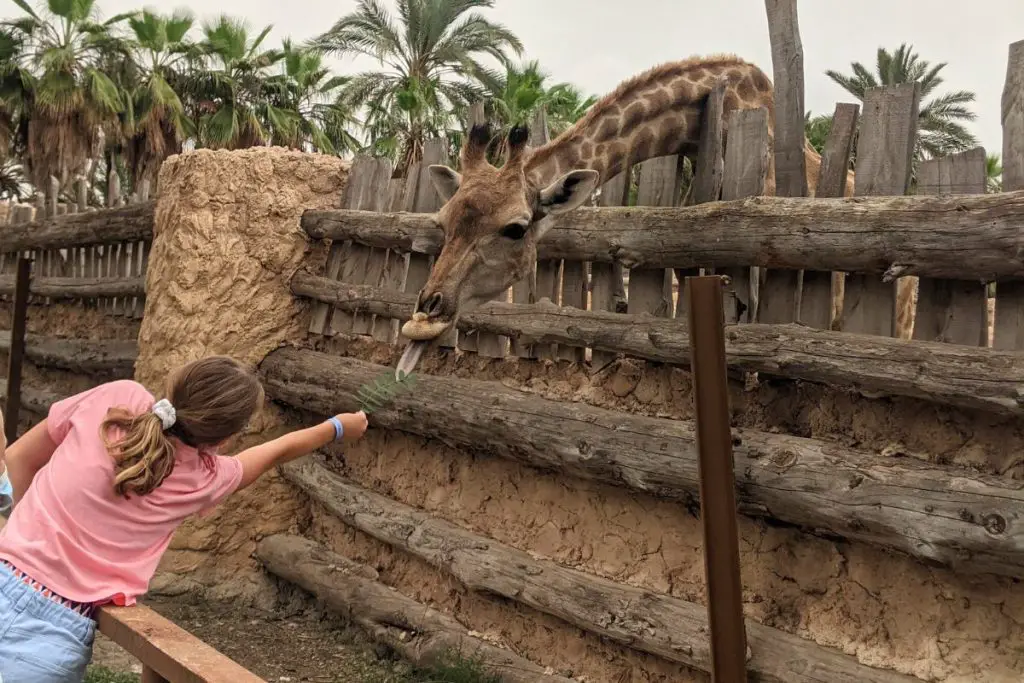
[
  {"x": 35, "y": 401},
  {"x": 109, "y": 359},
  {"x": 107, "y": 226},
  {"x": 421, "y": 634},
  {"x": 970, "y": 237},
  {"x": 655, "y": 623},
  {"x": 79, "y": 287},
  {"x": 963, "y": 376},
  {"x": 942, "y": 514}
]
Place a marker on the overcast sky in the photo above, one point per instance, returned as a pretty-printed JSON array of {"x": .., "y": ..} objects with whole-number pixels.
[{"x": 597, "y": 43}]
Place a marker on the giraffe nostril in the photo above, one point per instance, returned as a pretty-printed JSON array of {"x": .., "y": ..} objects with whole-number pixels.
[{"x": 432, "y": 304}]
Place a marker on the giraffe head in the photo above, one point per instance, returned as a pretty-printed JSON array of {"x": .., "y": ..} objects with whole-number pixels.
[{"x": 492, "y": 220}]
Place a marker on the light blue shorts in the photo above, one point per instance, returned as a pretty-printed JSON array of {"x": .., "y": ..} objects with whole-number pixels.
[{"x": 40, "y": 641}]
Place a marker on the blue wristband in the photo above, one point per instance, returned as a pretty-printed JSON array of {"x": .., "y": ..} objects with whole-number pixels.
[{"x": 339, "y": 430}]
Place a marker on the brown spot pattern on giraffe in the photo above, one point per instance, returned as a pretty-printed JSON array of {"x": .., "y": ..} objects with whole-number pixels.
[{"x": 633, "y": 116}]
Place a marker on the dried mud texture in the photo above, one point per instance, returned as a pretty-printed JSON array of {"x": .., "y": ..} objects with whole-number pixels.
[
  {"x": 887, "y": 610},
  {"x": 226, "y": 243},
  {"x": 74, "y": 321}
]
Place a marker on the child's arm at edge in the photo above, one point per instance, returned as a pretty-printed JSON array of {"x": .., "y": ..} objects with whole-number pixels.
[
  {"x": 258, "y": 459},
  {"x": 26, "y": 456}
]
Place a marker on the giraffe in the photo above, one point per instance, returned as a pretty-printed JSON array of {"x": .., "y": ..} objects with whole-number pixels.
[{"x": 493, "y": 218}]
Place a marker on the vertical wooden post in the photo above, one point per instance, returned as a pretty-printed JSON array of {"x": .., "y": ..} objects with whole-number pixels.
[
  {"x": 951, "y": 311},
  {"x": 16, "y": 357},
  {"x": 717, "y": 480},
  {"x": 820, "y": 290},
  {"x": 549, "y": 273},
  {"x": 743, "y": 175},
  {"x": 779, "y": 298},
  {"x": 708, "y": 175},
  {"x": 1009, "y": 325},
  {"x": 606, "y": 278},
  {"x": 650, "y": 289},
  {"x": 885, "y": 152}
]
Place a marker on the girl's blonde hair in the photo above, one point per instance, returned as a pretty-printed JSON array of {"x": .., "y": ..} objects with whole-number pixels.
[{"x": 213, "y": 398}]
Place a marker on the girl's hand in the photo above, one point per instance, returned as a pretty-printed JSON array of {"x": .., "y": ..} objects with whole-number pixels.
[{"x": 354, "y": 423}]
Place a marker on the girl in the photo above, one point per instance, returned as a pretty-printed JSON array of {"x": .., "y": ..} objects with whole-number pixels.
[
  {"x": 6, "y": 492},
  {"x": 112, "y": 476}
]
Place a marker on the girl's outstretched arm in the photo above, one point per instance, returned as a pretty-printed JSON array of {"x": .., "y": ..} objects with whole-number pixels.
[
  {"x": 259, "y": 459},
  {"x": 26, "y": 456}
]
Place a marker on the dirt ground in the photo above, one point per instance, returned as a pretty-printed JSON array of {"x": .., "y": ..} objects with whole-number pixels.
[{"x": 293, "y": 644}]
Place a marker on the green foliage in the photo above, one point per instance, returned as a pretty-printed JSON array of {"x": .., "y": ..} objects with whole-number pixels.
[
  {"x": 101, "y": 674},
  {"x": 941, "y": 119},
  {"x": 430, "y": 54},
  {"x": 376, "y": 394}
]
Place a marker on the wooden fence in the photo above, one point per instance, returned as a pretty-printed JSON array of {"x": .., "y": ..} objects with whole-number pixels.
[
  {"x": 85, "y": 255},
  {"x": 820, "y": 290},
  {"x": 824, "y": 263}
]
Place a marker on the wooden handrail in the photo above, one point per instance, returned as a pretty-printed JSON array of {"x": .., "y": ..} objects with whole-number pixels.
[{"x": 169, "y": 654}]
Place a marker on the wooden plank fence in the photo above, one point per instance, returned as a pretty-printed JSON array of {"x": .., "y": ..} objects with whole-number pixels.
[
  {"x": 100, "y": 271},
  {"x": 826, "y": 262}
]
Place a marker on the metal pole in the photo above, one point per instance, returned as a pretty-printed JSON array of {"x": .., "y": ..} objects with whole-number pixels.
[
  {"x": 717, "y": 482},
  {"x": 17, "y": 353}
]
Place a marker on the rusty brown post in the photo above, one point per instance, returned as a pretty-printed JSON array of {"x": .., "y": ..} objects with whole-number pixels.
[
  {"x": 16, "y": 356},
  {"x": 717, "y": 482}
]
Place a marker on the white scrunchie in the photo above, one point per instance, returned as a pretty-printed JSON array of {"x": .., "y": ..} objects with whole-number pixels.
[{"x": 165, "y": 411}]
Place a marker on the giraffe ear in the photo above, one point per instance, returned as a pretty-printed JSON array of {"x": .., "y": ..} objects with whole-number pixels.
[
  {"x": 446, "y": 181},
  {"x": 569, "y": 191}
]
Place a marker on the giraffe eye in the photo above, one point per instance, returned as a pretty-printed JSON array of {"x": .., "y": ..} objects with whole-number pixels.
[{"x": 514, "y": 231}]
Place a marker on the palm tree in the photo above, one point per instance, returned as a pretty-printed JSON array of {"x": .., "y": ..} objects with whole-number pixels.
[
  {"x": 67, "y": 97},
  {"x": 566, "y": 105},
  {"x": 311, "y": 100},
  {"x": 993, "y": 173},
  {"x": 816, "y": 130},
  {"x": 430, "y": 61},
  {"x": 154, "y": 120},
  {"x": 228, "y": 98},
  {"x": 940, "y": 122},
  {"x": 516, "y": 95}
]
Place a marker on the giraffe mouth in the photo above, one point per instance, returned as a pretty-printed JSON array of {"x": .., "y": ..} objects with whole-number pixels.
[
  {"x": 421, "y": 332},
  {"x": 422, "y": 328}
]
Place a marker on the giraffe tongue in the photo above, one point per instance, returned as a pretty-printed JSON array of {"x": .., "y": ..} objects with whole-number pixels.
[{"x": 411, "y": 356}]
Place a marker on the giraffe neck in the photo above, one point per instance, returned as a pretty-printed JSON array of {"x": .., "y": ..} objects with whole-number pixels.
[{"x": 653, "y": 114}]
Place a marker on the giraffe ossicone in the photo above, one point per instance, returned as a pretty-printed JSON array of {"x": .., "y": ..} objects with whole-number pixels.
[{"x": 493, "y": 217}]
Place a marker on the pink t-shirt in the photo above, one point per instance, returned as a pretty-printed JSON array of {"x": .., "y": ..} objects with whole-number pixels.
[{"x": 73, "y": 534}]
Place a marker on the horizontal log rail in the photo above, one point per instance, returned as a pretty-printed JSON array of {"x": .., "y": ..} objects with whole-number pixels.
[
  {"x": 970, "y": 237},
  {"x": 424, "y": 635},
  {"x": 169, "y": 654},
  {"x": 109, "y": 359},
  {"x": 35, "y": 401},
  {"x": 655, "y": 623},
  {"x": 963, "y": 376},
  {"x": 79, "y": 287},
  {"x": 940, "y": 514},
  {"x": 132, "y": 223}
]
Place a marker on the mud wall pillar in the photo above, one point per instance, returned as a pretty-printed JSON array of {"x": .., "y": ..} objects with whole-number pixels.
[{"x": 227, "y": 240}]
